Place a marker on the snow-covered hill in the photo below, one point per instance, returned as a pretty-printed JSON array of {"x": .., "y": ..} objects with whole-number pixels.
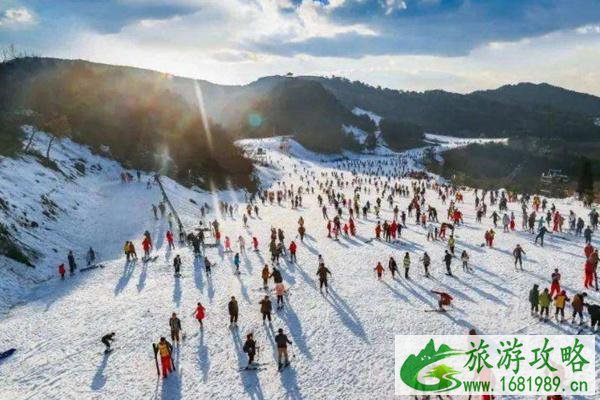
[{"x": 343, "y": 343}]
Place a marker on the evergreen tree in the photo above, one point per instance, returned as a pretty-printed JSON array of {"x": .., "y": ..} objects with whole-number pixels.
[{"x": 585, "y": 184}]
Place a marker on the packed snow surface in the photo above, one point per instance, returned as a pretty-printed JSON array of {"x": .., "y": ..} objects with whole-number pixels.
[{"x": 343, "y": 343}]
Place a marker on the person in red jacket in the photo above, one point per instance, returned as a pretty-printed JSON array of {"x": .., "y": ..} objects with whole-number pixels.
[
  {"x": 352, "y": 227},
  {"x": 293, "y": 249},
  {"x": 170, "y": 240},
  {"x": 61, "y": 271},
  {"x": 588, "y": 250},
  {"x": 255, "y": 243},
  {"x": 445, "y": 299},
  {"x": 589, "y": 273},
  {"x": 200, "y": 313},
  {"x": 147, "y": 245}
]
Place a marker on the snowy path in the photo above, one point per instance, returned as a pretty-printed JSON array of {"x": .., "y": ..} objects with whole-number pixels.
[{"x": 343, "y": 343}]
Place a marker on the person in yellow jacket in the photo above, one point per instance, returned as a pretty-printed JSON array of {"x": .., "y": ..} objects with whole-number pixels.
[
  {"x": 559, "y": 302},
  {"x": 545, "y": 300},
  {"x": 451, "y": 243},
  {"x": 164, "y": 350}
]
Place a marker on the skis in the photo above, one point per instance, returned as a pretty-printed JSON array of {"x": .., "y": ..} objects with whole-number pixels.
[
  {"x": 149, "y": 259},
  {"x": 155, "y": 349},
  {"x": 252, "y": 369},
  {"x": 435, "y": 310},
  {"x": 282, "y": 367},
  {"x": 91, "y": 267}
]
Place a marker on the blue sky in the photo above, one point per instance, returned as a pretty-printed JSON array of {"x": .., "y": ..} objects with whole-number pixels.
[{"x": 458, "y": 45}]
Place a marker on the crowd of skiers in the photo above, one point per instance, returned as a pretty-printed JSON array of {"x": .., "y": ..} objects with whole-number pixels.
[{"x": 374, "y": 189}]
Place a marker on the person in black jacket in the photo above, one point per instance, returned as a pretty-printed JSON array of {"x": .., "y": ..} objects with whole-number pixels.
[
  {"x": 594, "y": 311},
  {"x": 106, "y": 339},
  {"x": 250, "y": 349},
  {"x": 448, "y": 261},
  {"x": 72, "y": 264},
  {"x": 282, "y": 341},
  {"x": 233, "y": 310}
]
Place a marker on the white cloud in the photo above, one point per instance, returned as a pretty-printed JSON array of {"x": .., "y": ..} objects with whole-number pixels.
[
  {"x": 394, "y": 5},
  {"x": 16, "y": 16}
]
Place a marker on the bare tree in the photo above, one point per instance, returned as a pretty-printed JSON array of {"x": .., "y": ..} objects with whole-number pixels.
[{"x": 57, "y": 126}]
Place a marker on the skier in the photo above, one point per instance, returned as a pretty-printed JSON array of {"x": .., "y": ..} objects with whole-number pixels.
[
  {"x": 464, "y": 257},
  {"x": 594, "y": 311},
  {"x": 322, "y": 273},
  {"x": 379, "y": 270},
  {"x": 265, "y": 276},
  {"x": 555, "y": 286},
  {"x": 541, "y": 233},
  {"x": 406, "y": 264},
  {"x": 147, "y": 245},
  {"x": 200, "y": 313},
  {"x": 559, "y": 302},
  {"x": 106, "y": 339},
  {"x": 293, "y": 248},
  {"x": 266, "y": 308},
  {"x": 448, "y": 261},
  {"x": 577, "y": 303},
  {"x": 72, "y": 264},
  {"x": 232, "y": 307},
  {"x": 250, "y": 349},
  {"x": 534, "y": 299},
  {"x": 518, "y": 254},
  {"x": 170, "y": 241},
  {"x": 451, "y": 243},
  {"x": 282, "y": 341},
  {"x": 279, "y": 292},
  {"x": 236, "y": 262},
  {"x": 426, "y": 262},
  {"x": 544, "y": 300},
  {"x": 90, "y": 257},
  {"x": 61, "y": 271},
  {"x": 207, "y": 266},
  {"x": 165, "y": 349},
  {"x": 445, "y": 300},
  {"x": 175, "y": 325},
  {"x": 587, "y": 234},
  {"x": 177, "y": 265},
  {"x": 393, "y": 267}
]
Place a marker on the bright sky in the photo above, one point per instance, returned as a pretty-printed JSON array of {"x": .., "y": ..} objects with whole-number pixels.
[{"x": 457, "y": 45}]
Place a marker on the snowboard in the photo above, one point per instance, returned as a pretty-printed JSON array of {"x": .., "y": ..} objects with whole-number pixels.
[{"x": 7, "y": 353}]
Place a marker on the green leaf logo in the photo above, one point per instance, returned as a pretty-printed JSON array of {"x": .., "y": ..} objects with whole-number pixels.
[{"x": 414, "y": 364}]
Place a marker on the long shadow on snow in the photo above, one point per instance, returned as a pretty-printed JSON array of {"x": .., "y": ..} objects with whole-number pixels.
[
  {"x": 99, "y": 379},
  {"x": 243, "y": 289},
  {"x": 142, "y": 279},
  {"x": 203, "y": 359},
  {"x": 395, "y": 291},
  {"x": 124, "y": 279},
  {"x": 171, "y": 386},
  {"x": 295, "y": 328},
  {"x": 198, "y": 271},
  {"x": 249, "y": 378},
  {"x": 346, "y": 314},
  {"x": 482, "y": 293},
  {"x": 290, "y": 382},
  {"x": 177, "y": 291}
]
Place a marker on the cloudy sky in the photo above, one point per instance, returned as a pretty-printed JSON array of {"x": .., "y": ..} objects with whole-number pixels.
[{"x": 458, "y": 45}]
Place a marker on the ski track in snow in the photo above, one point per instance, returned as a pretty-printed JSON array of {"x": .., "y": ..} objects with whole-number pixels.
[{"x": 343, "y": 343}]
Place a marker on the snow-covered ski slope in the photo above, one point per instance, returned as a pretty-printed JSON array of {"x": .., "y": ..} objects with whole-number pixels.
[{"x": 343, "y": 343}]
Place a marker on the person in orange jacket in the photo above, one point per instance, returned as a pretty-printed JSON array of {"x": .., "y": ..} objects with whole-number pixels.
[
  {"x": 378, "y": 231},
  {"x": 379, "y": 270}
]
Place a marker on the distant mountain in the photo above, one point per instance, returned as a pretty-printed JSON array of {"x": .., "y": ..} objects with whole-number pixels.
[
  {"x": 544, "y": 95},
  {"x": 475, "y": 114},
  {"x": 304, "y": 109},
  {"x": 137, "y": 114}
]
